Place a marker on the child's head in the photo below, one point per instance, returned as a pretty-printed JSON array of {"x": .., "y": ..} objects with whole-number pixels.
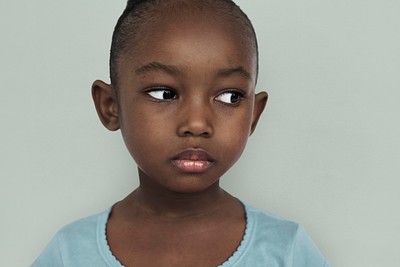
[
  {"x": 183, "y": 74},
  {"x": 138, "y": 13}
]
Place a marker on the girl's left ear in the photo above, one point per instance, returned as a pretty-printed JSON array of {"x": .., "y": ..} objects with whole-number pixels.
[
  {"x": 105, "y": 100},
  {"x": 260, "y": 101}
]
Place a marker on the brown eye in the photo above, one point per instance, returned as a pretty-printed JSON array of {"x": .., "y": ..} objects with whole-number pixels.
[
  {"x": 230, "y": 97},
  {"x": 162, "y": 94}
]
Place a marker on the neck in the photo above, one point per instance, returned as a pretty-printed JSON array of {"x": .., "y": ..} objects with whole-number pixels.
[{"x": 155, "y": 200}]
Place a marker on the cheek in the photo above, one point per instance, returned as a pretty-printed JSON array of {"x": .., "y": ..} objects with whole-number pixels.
[
  {"x": 141, "y": 138},
  {"x": 146, "y": 135},
  {"x": 233, "y": 134}
]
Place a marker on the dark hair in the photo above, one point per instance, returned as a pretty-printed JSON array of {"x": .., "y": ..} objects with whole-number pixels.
[{"x": 138, "y": 12}]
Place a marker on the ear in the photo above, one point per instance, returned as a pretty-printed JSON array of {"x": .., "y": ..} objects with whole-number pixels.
[
  {"x": 260, "y": 100},
  {"x": 106, "y": 104}
]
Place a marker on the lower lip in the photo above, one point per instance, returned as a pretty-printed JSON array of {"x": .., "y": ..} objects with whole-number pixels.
[{"x": 192, "y": 165}]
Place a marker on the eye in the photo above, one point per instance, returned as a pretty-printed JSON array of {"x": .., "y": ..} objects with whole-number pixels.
[
  {"x": 162, "y": 93},
  {"x": 230, "y": 97}
]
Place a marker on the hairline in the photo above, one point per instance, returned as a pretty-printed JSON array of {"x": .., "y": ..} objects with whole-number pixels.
[{"x": 134, "y": 16}]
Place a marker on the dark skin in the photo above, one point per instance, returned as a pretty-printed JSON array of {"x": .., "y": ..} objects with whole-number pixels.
[{"x": 186, "y": 108}]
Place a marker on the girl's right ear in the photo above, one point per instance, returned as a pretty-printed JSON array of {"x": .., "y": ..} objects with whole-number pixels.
[{"x": 105, "y": 101}]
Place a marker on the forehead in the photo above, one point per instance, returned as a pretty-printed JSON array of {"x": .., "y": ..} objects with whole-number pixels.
[{"x": 192, "y": 37}]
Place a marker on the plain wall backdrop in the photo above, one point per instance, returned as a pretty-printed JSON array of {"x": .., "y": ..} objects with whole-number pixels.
[{"x": 326, "y": 153}]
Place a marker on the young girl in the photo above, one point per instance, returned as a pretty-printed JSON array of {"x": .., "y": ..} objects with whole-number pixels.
[{"x": 182, "y": 92}]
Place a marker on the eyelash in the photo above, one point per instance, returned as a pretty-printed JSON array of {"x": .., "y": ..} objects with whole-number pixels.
[
  {"x": 155, "y": 93},
  {"x": 165, "y": 94},
  {"x": 234, "y": 93}
]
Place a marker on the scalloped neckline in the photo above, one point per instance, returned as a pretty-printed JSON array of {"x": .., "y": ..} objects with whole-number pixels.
[{"x": 111, "y": 260}]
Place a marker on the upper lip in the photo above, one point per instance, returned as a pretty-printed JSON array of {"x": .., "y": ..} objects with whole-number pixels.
[{"x": 195, "y": 154}]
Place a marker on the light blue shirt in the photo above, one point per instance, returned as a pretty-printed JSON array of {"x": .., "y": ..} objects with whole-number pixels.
[{"x": 269, "y": 241}]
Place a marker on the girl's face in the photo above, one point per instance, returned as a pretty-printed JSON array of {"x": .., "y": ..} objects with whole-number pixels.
[{"x": 186, "y": 100}]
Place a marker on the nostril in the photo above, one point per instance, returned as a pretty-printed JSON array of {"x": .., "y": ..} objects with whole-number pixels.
[
  {"x": 205, "y": 134},
  {"x": 196, "y": 123},
  {"x": 192, "y": 133}
]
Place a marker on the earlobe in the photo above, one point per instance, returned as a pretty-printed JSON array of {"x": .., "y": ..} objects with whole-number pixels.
[
  {"x": 106, "y": 104},
  {"x": 260, "y": 101}
]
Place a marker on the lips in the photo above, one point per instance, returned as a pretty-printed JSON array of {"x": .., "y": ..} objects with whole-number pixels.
[{"x": 193, "y": 160}]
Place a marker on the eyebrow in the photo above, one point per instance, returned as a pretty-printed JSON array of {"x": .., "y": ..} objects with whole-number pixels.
[
  {"x": 173, "y": 70},
  {"x": 239, "y": 70},
  {"x": 160, "y": 67}
]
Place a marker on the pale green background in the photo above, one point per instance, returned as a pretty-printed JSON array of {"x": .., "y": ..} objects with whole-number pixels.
[{"x": 326, "y": 153}]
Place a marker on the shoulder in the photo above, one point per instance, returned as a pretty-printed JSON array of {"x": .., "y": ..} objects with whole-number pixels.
[
  {"x": 275, "y": 239},
  {"x": 85, "y": 227},
  {"x": 74, "y": 242},
  {"x": 269, "y": 225}
]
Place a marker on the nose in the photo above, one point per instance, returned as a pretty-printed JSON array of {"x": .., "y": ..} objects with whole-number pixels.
[{"x": 195, "y": 120}]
